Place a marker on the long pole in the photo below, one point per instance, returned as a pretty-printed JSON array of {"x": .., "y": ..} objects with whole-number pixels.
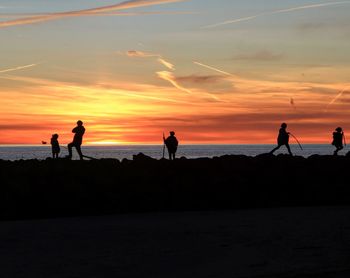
[
  {"x": 163, "y": 145},
  {"x": 344, "y": 139},
  {"x": 297, "y": 141}
]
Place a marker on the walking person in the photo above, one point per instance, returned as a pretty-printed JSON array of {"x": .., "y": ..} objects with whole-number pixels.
[
  {"x": 283, "y": 139},
  {"x": 171, "y": 143},
  {"x": 338, "y": 139},
  {"x": 55, "y": 146},
  {"x": 78, "y": 131}
]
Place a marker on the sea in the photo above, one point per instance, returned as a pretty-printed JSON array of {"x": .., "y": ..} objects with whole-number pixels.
[{"x": 156, "y": 151}]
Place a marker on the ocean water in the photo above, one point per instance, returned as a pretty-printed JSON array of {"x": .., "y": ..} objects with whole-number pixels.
[{"x": 156, "y": 151}]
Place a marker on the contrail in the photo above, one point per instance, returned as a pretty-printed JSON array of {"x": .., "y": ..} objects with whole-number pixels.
[
  {"x": 142, "y": 54},
  {"x": 52, "y": 16},
  {"x": 214, "y": 69},
  {"x": 337, "y": 97},
  {"x": 18, "y": 68},
  {"x": 169, "y": 76},
  {"x": 305, "y": 7},
  {"x": 15, "y": 15},
  {"x": 166, "y": 63}
]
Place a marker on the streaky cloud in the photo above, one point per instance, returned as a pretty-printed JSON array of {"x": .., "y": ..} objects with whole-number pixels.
[
  {"x": 16, "y": 15},
  {"x": 214, "y": 69},
  {"x": 142, "y": 54},
  {"x": 338, "y": 96},
  {"x": 166, "y": 63},
  {"x": 288, "y": 10},
  {"x": 18, "y": 68},
  {"x": 52, "y": 16},
  {"x": 169, "y": 76}
]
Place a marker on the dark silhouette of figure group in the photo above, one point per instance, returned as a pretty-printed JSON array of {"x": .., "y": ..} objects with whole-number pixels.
[
  {"x": 172, "y": 143},
  {"x": 78, "y": 131}
]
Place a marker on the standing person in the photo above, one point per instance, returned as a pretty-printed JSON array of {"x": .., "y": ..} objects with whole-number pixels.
[
  {"x": 78, "y": 131},
  {"x": 171, "y": 144},
  {"x": 338, "y": 138},
  {"x": 283, "y": 139},
  {"x": 55, "y": 146}
]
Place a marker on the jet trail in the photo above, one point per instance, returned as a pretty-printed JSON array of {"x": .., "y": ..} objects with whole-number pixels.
[
  {"x": 313, "y": 6},
  {"x": 169, "y": 76},
  {"x": 52, "y": 16},
  {"x": 18, "y": 68},
  {"x": 214, "y": 69},
  {"x": 166, "y": 64},
  {"x": 338, "y": 96}
]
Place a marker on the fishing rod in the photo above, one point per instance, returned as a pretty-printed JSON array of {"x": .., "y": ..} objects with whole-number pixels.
[
  {"x": 88, "y": 157},
  {"x": 163, "y": 145},
  {"x": 296, "y": 139},
  {"x": 344, "y": 138}
]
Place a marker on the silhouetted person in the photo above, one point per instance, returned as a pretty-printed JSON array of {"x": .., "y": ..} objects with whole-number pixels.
[
  {"x": 78, "y": 131},
  {"x": 171, "y": 144},
  {"x": 338, "y": 137},
  {"x": 55, "y": 146},
  {"x": 283, "y": 139}
]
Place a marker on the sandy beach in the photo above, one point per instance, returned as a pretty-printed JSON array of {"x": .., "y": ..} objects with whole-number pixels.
[{"x": 285, "y": 242}]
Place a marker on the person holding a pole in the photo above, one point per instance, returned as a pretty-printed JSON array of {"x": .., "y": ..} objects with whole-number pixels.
[
  {"x": 171, "y": 143},
  {"x": 283, "y": 139},
  {"x": 338, "y": 139}
]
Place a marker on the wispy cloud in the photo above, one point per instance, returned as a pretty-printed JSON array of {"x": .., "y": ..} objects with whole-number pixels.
[
  {"x": 262, "y": 55},
  {"x": 141, "y": 54},
  {"x": 52, "y": 16},
  {"x": 16, "y": 15},
  {"x": 166, "y": 64},
  {"x": 169, "y": 76},
  {"x": 337, "y": 97},
  {"x": 18, "y": 68},
  {"x": 288, "y": 10},
  {"x": 214, "y": 69},
  {"x": 201, "y": 79}
]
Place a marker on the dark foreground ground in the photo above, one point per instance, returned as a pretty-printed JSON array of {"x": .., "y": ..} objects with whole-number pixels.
[
  {"x": 41, "y": 189},
  {"x": 263, "y": 243},
  {"x": 269, "y": 217}
]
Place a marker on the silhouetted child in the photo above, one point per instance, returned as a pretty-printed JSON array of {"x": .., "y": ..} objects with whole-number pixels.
[
  {"x": 338, "y": 138},
  {"x": 171, "y": 144},
  {"x": 78, "y": 131},
  {"x": 55, "y": 146},
  {"x": 283, "y": 139}
]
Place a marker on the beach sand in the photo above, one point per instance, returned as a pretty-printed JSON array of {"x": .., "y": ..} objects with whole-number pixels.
[{"x": 278, "y": 242}]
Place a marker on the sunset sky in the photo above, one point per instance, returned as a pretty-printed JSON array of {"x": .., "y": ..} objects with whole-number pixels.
[{"x": 215, "y": 71}]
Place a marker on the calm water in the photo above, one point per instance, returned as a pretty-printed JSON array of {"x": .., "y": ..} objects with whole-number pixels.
[{"x": 156, "y": 151}]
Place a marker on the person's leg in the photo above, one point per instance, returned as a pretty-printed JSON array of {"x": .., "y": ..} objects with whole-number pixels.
[
  {"x": 288, "y": 148},
  {"x": 275, "y": 149},
  {"x": 338, "y": 148},
  {"x": 70, "y": 146},
  {"x": 78, "y": 147}
]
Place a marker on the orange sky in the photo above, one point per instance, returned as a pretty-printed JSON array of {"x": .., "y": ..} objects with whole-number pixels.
[{"x": 129, "y": 79}]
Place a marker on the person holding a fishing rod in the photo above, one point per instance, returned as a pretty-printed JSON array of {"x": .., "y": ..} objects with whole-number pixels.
[
  {"x": 171, "y": 143},
  {"x": 338, "y": 139},
  {"x": 283, "y": 139},
  {"x": 78, "y": 131}
]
